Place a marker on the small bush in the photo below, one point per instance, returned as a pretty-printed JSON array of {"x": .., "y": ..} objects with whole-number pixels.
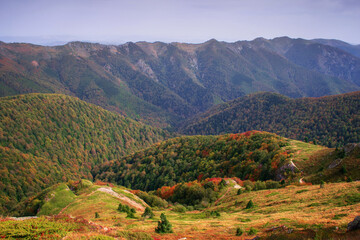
[
  {"x": 252, "y": 231},
  {"x": 130, "y": 214},
  {"x": 259, "y": 185},
  {"x": 147, "y": 213},
  {"x": 322, "y": 184},
  {"x": 126, "y": 209},
  {"x": 339, "y": 216},
  {"x": 210, "y": 185},
  {"x": 249, "y": 185},
  {"x": 152, "y": 200},
  {"x": 244, "y": 219},
  {"x": 164, "y": 225},
  {"x": 179, "y": 208},
  {"x": 215, "y": 214},
  {"x": 97, "y": 215},
  {"x": 249, "y": 205},
  {"x": 190, "y": 208},
  {"x": 239, "y": 191},
  {"x": 352, "y": 198},
  {"x": 121, "y": 207},
  {"x": 134, "y": 235},
  {"x": 301, "y": 191},
  {"x": 212, "y": 214},
  {"x": 270, "y": 184},
  {"x": 239, "y": 232},
  {"x": 222, "y": 184}
]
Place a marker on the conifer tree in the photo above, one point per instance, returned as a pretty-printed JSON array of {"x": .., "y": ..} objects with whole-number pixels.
[
  {"x": 164, "y": 225},
  {"x": 250, "y": 204}
]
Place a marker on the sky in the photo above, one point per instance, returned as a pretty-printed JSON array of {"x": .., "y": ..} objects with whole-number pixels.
[{"x": 194, "y": 21}]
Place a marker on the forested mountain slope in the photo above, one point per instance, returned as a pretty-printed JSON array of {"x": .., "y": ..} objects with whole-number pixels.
[
  {"x": 251, "y": 155},
  {"x": 331, "y": 121},
  {"x": 47, "y": 138},
  {"x": 165, "y": 83}
]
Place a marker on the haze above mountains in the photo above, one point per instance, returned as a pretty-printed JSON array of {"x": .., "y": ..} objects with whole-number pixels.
[{"x": 164, "y": 83}]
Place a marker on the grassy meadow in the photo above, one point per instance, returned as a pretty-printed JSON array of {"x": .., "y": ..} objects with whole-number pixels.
[{"x": 296, "y": 210}]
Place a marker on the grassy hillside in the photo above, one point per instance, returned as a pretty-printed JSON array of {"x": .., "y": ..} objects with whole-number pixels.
[
  {"x": 330, "y": 121},
  {"x": 251, "y": 155},
  {"x": 47, "y": 138},
  {"x": 294, "y": 212},
  {"x": 77, "y": 198},
  {"x": 330, "y": 165}
]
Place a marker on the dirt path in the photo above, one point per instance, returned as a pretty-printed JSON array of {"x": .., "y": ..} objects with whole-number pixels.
[
  {"x": 220, "y": 198},
  {"x": 301, "y": 181},
  {"x": 123, "y": 198}
]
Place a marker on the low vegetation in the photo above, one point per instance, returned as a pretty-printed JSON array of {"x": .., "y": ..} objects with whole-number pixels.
[
  {"x": 43, "y": 228},
  {"x": 290, "y": 212}
]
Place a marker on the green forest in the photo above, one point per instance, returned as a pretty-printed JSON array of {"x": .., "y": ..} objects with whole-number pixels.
[
  {"x": 48, "y": 138},
  {"x": 252, "y": 155},
  {"x": 331, "y": 121}
]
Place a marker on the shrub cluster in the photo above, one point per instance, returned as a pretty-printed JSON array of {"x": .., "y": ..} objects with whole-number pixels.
[
  {"x": 148, "y": 213},
  {"x": 152, "y": 200},
  {"x": 125, "y": 208}
]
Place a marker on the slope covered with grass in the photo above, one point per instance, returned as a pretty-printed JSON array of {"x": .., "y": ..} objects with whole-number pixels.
[
  {"x": 45, "y": 139},
  {"x": 292, "y": 212}
]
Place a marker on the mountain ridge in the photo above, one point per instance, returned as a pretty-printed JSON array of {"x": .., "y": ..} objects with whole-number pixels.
[
  {"x": 330, "y": 120},
  {"x": 164, "y": 83}
]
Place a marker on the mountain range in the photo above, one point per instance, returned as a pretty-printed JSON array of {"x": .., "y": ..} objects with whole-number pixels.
[
  {"x": 101, "y": 141},
  {"x": 164, "y": 83}
]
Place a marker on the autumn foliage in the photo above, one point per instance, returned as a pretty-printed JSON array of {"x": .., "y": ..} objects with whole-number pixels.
[
  {"x": 252, "y": 155},
  {"x": 50, "y": 138}
]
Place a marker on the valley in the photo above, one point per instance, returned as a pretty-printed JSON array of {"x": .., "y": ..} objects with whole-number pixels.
[{"x": 245, "y": 140}]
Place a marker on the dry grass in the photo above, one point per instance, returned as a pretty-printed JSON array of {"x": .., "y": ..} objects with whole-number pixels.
[
  {"x": 306, "y": 209},
  {"x": 296, "y": 207}
]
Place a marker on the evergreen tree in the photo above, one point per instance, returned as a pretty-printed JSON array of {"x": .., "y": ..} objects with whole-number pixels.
[
  {"x": 250, "y": 204},
  {"x": 164, "y": 225},
  {"x": 130, "y": 214},
  {"x": 239, "y": 232}
]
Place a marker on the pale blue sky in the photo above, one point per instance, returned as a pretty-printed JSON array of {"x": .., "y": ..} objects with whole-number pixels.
[{"x": 119, "y": 21}]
